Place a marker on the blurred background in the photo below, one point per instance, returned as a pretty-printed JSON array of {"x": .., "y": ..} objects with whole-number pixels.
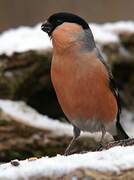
[
  {"x": 14, "y": 13},
  {"x": 25, "y": 61}
]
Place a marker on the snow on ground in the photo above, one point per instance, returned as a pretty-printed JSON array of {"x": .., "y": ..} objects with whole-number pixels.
[
  {"x": 113, "y": 160},
  {"x": 33, "y": 38},
  {"x": 19, "y": 111}
]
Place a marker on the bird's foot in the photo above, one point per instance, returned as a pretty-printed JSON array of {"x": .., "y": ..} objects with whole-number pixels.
[
  {"x": 124, "y": 142},
  {"x": 69, "y": 152},
  {"x": 99, "y": 146},
  {"x": 66, "y": 153}
]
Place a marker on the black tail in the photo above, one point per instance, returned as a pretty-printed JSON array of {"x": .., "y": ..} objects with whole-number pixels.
[{"x": 121, "y": 134}]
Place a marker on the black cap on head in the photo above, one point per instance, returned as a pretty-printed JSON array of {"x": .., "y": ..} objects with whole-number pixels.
[{"x": 59, "y": 18}]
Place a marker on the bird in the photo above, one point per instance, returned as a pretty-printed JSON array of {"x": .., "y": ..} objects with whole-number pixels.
[{"x": 83, "y": 81}]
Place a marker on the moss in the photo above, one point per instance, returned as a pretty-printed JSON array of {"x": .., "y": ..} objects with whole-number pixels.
[
  {"x": 17, "y": 71},
  {"x": 3, "y": 122},
  {"x": 16, "y": 154},
  {"x": 31, "y": 151}
]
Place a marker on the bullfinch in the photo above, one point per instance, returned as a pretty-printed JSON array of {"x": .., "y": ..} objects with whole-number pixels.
[{"x": 83, "y": 82}]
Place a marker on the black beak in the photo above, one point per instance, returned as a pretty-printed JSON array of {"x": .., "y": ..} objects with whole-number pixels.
[{"x": 47, "y": 27}]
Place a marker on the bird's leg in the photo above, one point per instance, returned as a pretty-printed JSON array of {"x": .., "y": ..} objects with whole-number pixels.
[
  {"x": 103, "y": 130},
  {"x": 100, "y": 145},
  {"x": 76, "y": 132}
]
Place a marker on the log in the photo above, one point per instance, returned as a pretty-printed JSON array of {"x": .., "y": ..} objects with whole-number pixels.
[
  {"x": 26, "y": 133},
  {"x": 20, "y": 72},
  {"x": 116, "y": 163}
]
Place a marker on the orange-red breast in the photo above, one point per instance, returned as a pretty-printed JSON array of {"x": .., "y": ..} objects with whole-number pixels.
[{"x": 83, "y": 82}]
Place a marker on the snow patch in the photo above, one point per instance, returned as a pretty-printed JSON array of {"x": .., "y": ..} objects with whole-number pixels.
[
  {"x": 24, "y": 39},
  {"x": 113, "y": 160},
  {"x": 121, "y": 26},
  {"x": 127, "y": 121},
  {"x": 19, "y": 111},
  {"x": 102, "y": 35}
]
